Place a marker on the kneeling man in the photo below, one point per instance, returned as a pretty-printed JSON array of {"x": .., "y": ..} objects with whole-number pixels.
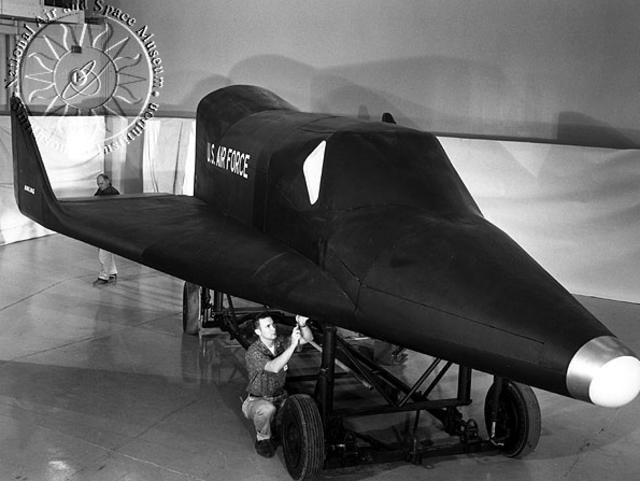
[{"x": 267, "y": 360}]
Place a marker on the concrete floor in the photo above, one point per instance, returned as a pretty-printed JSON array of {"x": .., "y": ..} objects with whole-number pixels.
[{"x": 98, "y": 383}]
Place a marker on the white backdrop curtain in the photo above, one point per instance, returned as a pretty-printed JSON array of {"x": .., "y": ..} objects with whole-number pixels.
[{"x": 576, "y": 210}]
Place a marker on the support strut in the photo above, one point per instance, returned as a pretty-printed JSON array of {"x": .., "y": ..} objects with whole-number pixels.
[
  {"x": 345, "y": 446},
  {"x": 326, "y": 376}
]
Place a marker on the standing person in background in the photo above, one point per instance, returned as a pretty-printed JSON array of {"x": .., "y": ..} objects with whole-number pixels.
[{"x": 108, "y": 272}]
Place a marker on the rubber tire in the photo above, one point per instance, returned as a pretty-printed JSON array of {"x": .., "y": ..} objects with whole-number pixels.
[
  {"x": 302, "y": 437},
  {"x": 518, "y": 417},
  {"x": 191, "y": 308}
]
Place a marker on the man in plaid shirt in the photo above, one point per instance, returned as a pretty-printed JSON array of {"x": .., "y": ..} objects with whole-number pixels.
[{"x": 267, "y": 360}]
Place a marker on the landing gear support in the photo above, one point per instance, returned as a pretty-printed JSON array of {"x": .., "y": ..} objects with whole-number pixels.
[
  {"x": 191, "y": 308},
  {"x": 314, "y": 430},
  {"x": 512, "y": 417},
  {"x": 512, "y": 414},
  {"x": 206, "y": 312}
]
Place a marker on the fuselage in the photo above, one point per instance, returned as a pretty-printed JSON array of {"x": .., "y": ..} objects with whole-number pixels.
[{"x": 382, "y": 210}]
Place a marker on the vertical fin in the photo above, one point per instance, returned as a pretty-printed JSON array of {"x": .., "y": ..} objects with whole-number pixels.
[{"x": 32, "y": 190}]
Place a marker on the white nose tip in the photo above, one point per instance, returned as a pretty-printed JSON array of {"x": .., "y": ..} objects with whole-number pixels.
[
  {"x": 605, "y": 372},
  {"x": 616, "y": 383}
]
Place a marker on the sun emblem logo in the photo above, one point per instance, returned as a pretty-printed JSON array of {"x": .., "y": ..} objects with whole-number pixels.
[{"x": 89, "y": 69}]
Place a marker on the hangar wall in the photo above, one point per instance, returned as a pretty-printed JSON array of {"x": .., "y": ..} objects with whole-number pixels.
[{"x": 566, "y": 71}]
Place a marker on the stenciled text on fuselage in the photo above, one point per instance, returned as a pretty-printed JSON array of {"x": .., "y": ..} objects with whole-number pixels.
[{"x": 229, "y": 159}]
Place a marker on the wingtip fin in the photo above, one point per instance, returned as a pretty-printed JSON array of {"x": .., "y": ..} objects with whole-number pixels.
[{"x": 32, "y": 189}]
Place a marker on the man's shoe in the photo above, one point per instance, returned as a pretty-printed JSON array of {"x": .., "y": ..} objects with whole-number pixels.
[
  {"x": 265, "y": 448},
  {"x": 113, "y": 278},
  {"x": 100, "y": 282}
]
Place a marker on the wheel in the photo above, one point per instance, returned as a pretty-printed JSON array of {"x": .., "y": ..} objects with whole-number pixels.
[
  {"x": 191, "y": 297},
  {"x": 518, "y": 421},
  {"x": 302, "y": 437}
]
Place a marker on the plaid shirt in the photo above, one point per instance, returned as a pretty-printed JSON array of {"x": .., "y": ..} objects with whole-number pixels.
[{"x": 265, "y": 383}]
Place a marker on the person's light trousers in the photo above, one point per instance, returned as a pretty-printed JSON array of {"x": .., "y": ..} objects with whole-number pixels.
[
  {"x": 107, "y": 264},
  {"x": 262, "y": 412}
]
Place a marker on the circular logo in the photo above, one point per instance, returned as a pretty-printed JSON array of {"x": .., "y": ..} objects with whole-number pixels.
[{"x": 99, "y": 68}]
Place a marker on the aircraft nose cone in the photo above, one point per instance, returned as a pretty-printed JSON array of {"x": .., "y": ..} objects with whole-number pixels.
[{"x": 605, "y": 372}]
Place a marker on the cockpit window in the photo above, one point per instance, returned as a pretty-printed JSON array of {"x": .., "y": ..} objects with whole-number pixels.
[{"x": 312, "y": 169}]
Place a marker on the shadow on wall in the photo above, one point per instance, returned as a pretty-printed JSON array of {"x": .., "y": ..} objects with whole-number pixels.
[
  {"x": 580, "y": 129},
  {"x": 448, "y": 96},
  {"x": 188, "y": 104},
  {"x": 429, "y": 93},
  {"x": 336, "y": 91},
  {"x": 290, "y": 79}
]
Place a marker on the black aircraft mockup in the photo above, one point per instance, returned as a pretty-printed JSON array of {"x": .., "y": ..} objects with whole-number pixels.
[{"x": 361, "y": 225}]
